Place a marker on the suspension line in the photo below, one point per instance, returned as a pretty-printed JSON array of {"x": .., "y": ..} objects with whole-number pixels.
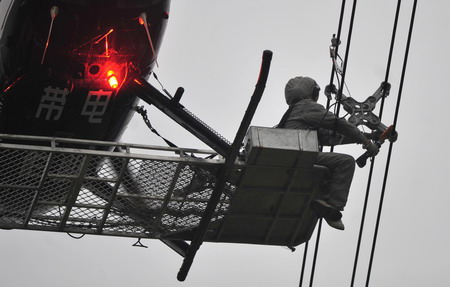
[
  {"x": 347, "y": 51},
  {"x": 405, "y": 61},
  {"x": 337, "y": 114},
  {"x": 336, "y": 50},
  {"x": 316, "y": 251},
  {"x": 344, "y": 70},
  {"x": 305, "y": 254},
  {"x": 369, "y": 180},
  {"x": 341, "y": 20}
]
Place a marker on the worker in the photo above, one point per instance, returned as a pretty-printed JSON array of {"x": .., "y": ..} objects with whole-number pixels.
[{"x": 305, "y": 113}]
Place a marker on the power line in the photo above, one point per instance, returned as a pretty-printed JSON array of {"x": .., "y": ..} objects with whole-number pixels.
[
  {"x": 338, "y": 41},
  {"x": 369, "y": 180},
  {"x": 316, "y": 251},
  {"x": 333, "y": 73},
  {"x": 352, "y": 18},
  {"x": 405, "y": 61},
  {"x": 302, "y": 273},
  {"x": 347, "y": 52},
  {"x": 341, "y": 20}
]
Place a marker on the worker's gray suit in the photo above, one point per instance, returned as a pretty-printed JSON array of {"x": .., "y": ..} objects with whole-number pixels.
[{"x": 305, "y": 113}]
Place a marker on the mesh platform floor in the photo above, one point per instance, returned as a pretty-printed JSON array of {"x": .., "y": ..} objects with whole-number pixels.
[{"x": 70, "y": 186}]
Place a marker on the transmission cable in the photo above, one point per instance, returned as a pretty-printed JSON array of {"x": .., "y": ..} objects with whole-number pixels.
[
  {"x": 337, "y": 42},
  {"x": 305, "y": 253},
  {"x": 316, "y": 251},
  {"x": 405, "y": 61},
  {"x": 369, "y": 180},
  {"x": 347, "y": 51}
]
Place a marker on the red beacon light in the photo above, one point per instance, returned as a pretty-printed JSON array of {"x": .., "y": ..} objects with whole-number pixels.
[{"x": 112, "y": 79}]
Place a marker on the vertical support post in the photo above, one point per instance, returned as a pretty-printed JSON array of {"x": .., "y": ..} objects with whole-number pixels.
[
  {"x": 39, "y": 190},
  {"x": 224, "y": 171},
  {"x": 114, "y": 191},
  {"x": 75, "y": 188}
]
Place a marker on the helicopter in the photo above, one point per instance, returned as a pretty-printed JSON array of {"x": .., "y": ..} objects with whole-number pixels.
[
  {"x": 71, "y": 76},
  {"x": 64, "y": 64},
  {"x": 75, "y": 71}
]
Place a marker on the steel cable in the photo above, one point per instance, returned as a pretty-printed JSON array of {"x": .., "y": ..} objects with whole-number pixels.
[
  {"x": 347, "y": 51},
  {"x": 369, "y": 180},
  {"x": 338, "y": 100},
  {"x": 305, "y": 253},
  {"x": 405, "y": 61},
  {"x": 316, "y": 251}
]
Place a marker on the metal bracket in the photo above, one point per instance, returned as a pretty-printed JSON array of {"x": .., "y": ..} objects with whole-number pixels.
[
  {"x": 361, "y": 112},
  {"x": 139, "y": 244},
  {"x": 179, "y": 246}
]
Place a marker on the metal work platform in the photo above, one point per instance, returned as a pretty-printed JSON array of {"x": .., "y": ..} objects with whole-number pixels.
[
  {"x": 117, "y": 189},
  {"x": 120, "y": 190},
  {"x": 273, "y": 190},
  {"x": 258, "y": 196}
]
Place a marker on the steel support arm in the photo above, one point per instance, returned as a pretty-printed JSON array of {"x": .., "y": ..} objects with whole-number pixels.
[
  {"x": 171, "y": 107},
  {"x": 224, "y": 171}
]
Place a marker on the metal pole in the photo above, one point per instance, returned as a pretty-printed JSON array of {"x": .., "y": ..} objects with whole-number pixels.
[{"x": 225, "y": 170}]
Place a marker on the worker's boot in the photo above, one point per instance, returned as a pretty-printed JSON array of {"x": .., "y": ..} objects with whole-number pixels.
[
  {"x": 323, "y": 209},
  {"x": 336, "y": 224}
]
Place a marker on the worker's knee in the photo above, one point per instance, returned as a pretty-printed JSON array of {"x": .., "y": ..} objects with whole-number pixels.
[
  {"x": 348, "y": 158},
  {"x": 335, "y": 160},
  {"x": 348, "y": 161}
]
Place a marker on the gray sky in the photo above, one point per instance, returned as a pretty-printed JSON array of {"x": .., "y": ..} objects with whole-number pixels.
[{"x": 213, "y": 49}]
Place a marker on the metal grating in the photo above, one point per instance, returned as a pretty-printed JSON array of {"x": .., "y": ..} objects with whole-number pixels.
[
  {"x": 206, "y": 126},
  {"x": 84, "y": 187}
]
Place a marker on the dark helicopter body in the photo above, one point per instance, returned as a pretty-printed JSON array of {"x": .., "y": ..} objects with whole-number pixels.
[
  {"x": 64, "y": 69},
  {"x": 64, "y": 64}
]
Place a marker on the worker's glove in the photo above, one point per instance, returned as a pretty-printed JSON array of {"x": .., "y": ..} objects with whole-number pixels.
[
  {"x": 374, "y": 135},
  {"x": 380, "y": 136},
  {"x": 371, "y": 148}
]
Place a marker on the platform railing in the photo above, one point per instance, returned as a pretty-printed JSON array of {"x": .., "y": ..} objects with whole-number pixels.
[{"x": 108, "y": 188}]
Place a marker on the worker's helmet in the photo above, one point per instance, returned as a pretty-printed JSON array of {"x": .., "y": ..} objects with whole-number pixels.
[{"x": 301, "y": 88}]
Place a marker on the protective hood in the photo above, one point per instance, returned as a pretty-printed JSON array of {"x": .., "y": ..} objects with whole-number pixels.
[{"x": 301, "y": 88}]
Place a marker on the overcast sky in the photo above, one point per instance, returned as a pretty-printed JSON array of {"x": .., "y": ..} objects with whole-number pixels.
[{"x": 213, "y": 49}]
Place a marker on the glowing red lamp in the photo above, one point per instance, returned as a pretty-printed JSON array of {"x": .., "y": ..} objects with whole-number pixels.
[{"x": 112, "y": 79}]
